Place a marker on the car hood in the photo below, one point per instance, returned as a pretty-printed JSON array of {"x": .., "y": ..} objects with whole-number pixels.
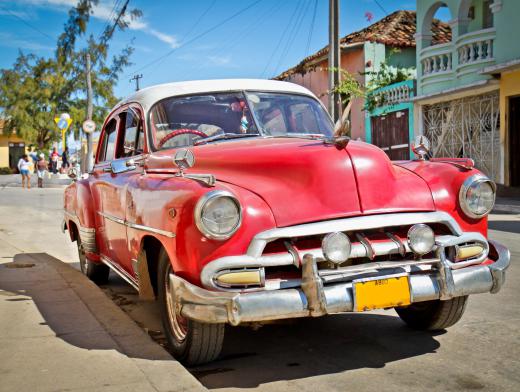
[{"x": 306, "y": 180}]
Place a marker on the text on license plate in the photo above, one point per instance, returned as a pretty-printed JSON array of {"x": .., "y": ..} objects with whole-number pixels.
[{"x": 381, "y": 293}]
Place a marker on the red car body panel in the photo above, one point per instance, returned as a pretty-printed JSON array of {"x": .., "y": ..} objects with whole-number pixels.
[{"x": 278, "y": 181}]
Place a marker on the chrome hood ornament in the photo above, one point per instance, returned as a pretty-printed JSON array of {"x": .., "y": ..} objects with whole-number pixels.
[
  {"x": 421, "y": 147},
  {"x": 184, "y": 159}
]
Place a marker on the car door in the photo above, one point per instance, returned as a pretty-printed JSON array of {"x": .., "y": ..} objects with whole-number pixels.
[{"x": 117, "y": 161}]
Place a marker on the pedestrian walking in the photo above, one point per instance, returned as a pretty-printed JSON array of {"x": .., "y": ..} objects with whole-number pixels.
[
  {"x": 24, "y": 166},
  {"x": 54, "y": 160},
  {"x": 34, "y": 156},
  {"x": 42, "y": 167},
  {"x": 65, "y": 159}
]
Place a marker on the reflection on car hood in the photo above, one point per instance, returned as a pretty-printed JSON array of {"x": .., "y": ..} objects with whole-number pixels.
[{"x": 307, "y": 180}]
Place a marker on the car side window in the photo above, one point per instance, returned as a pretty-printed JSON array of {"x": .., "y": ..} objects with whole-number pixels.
[
  {"x": 133, "y": 140},
  {"x": 303, "y": 118},
  {"x": 109, "y": 141}
]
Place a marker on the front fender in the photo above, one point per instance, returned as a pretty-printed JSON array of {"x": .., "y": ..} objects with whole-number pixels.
[{"x": 445, "y": 180}]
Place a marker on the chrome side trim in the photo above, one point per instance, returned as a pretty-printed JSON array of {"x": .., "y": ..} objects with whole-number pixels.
[
  {"x": 137, "y": 226},
  {"x": 120, "y": 271},
  {"x": 358, "y": 223}
]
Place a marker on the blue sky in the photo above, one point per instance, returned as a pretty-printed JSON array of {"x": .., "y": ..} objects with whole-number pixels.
[{"x": 251, "y": 45}]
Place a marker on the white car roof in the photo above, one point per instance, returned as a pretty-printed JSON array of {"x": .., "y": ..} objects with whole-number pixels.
[{"x": 150, "y": 95}]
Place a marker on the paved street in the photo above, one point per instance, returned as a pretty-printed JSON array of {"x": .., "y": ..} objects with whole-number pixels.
[{"x": 358, "y": 352}]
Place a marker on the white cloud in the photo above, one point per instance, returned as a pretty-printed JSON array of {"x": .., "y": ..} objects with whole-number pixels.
[
  {"x": 220, "y": 60},
  {"x": 103, "y": 11}
]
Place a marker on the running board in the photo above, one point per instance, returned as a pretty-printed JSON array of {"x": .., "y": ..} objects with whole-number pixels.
[{"x": 120, "y": 271}]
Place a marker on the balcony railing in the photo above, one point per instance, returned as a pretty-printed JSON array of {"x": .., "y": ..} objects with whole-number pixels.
[
  {"x": 475, "y": 47},
  {"x": 455, "y": 58},
  {"x": 394, "y": 93}
]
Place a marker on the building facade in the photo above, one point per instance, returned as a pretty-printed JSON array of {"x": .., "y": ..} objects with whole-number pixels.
[
  {"x": 467, "y": 88},
  {"x": 11, "y": 148},
  {"x": 390, "y": 40}
]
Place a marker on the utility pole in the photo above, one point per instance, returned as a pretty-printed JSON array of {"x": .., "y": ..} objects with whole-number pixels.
[
  {"x": 334, "y": 60},
  {"x": 90, "y": 110},
  {"x": 136, "y": 78}
]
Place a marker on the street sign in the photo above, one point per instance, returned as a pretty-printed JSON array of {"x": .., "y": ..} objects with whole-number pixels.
[
  {"x": 63, "y": 122},
  {"x": 89, "y": 126}
]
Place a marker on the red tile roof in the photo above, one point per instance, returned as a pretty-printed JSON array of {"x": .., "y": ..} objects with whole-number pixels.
[{"x": 396, "y": 30}]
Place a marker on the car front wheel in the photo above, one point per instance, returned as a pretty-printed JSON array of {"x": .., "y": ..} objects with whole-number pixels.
[
  {"x": 433, "y": 315},
  {"x": 189, "y": 341}
]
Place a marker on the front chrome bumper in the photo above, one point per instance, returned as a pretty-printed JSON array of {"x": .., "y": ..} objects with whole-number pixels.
[{"x": 314, "y": 298}]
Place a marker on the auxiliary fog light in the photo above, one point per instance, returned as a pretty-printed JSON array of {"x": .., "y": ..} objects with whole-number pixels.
[
  {"x": 336, "y": 247},
  {"x": 421, "y": 239}
]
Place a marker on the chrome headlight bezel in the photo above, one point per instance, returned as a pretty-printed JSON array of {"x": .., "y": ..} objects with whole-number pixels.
[
  {"x": 466, "y": 185},
  {"x": 199, "y": 209}
]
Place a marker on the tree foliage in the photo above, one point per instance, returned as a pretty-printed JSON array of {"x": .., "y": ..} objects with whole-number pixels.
[{"x": 37, "y": 89}]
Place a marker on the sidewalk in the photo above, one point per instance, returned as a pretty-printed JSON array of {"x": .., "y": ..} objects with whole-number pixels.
[
  {"x": 61, "y": 332},
  {"x": 15, "y": 180}
]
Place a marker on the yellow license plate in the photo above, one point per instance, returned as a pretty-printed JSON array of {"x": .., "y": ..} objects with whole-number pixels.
[{"x": 387, "y": 292}]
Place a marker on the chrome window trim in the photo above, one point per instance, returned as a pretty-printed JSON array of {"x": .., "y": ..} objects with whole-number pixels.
[
  {"x": 200, "y": 206},
  {"x": 476, "y": 178},
  {"x": 137, "y": 226}
]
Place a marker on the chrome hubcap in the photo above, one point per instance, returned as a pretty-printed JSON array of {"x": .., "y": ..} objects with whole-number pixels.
[{"x": 178, "y": 324}]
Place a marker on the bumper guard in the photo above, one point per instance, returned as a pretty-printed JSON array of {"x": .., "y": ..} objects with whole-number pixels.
[{"x": 314, "y": 298}]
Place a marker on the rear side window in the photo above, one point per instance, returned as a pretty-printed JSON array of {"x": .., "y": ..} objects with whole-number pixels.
[
  {"x": 133, "y": 141},
  {"x": 109, "y": 142}
]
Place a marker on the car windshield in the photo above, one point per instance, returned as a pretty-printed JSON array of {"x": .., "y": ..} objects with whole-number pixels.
[{"x": 197, "y": 119}]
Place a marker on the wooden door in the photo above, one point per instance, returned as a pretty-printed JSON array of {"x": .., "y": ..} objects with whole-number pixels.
[{"x": 390, "y": 133}]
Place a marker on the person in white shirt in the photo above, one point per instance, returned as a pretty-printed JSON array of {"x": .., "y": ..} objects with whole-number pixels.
[{"x": 24, "y": 166}]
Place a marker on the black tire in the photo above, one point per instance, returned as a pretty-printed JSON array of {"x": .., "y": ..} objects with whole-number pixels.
[
  {"x": 96, "y": 272},
  {"x": 433, "y": 315},
  {"x": 191, "y": 342}
]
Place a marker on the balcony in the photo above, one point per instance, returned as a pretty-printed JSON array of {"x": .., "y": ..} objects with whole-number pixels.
[
  {"x": 441, "y": 64},
  {"x": 394, "y": 94},
  {"x": 475, "y": 49}
]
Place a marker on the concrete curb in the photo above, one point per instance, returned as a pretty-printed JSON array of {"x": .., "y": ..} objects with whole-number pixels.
[{"x": 161, "y": 371}]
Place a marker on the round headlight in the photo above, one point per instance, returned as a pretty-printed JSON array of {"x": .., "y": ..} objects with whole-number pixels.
[
  {"x": 477, "y": 196},
  {"x": 421, "y": 239},
  {"x": 218, "y": 215},
  {"x": 336, "y": 247}
]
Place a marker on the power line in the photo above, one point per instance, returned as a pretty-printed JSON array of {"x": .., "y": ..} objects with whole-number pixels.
[
  {"x": 194, "y": 26},
  {"x": 292, "y": 36},
  {"x": 296, "y": 9},
  {"x": 199, "y": 35},
  {"x": 311, "y": 29},
  {"x": 253, "y": 26},
  {"x": 109, "y": 19},
  {"x": 27, "y": 23},
  {"x": 380, "y": 6}
]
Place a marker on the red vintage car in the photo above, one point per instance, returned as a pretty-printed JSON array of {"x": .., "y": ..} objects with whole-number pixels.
[{"x": 233, "y": 201}]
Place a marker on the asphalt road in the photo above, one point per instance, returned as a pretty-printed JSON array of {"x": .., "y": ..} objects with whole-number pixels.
[{"x": 373, "y": 351}]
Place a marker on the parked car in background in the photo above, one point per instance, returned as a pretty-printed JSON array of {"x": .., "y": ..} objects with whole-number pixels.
[{"x": 232, "y": 201}]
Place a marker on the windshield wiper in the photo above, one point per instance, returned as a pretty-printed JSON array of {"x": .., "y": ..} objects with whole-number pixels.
[
  {"x": 224, "y": 136},
  {"x": 294, "y": 135}
]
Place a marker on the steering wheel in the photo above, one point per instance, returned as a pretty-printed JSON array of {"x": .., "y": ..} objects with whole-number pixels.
[{"x": 177, "y": 132}]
